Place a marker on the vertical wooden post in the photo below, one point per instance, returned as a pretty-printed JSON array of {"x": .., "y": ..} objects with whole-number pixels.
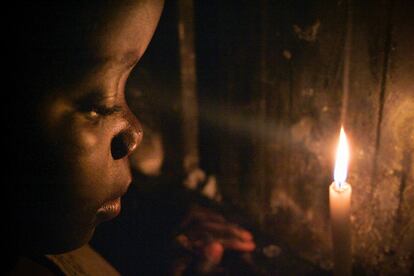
[{"x": 189, "y": 104}]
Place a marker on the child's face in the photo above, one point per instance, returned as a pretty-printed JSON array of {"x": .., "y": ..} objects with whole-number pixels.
[{"x": 91, "y": 131}]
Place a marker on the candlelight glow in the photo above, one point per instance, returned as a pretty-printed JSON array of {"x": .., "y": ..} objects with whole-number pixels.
[{"x": 342, "y": 158}]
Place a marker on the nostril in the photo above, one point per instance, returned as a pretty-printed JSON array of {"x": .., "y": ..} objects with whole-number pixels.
[
  {"x": 118, "y": 148},
  {"x": 124, "y": 143}
]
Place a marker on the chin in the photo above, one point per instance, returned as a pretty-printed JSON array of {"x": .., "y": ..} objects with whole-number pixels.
[{"x": 70, "y": 243}]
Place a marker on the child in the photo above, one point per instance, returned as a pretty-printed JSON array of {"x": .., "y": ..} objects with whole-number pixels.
[{"x": 71, "y": 129}]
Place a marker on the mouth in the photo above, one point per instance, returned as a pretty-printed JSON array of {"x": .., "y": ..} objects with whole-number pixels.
[{"x": 109, "y": 210}]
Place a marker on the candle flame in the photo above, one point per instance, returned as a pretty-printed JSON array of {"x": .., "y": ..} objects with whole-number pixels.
[{"x": 342, "y": 159}]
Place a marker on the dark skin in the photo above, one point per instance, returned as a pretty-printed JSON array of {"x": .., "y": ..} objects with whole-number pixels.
[
  {"x": 81, "y": 128},
  {"x": 87, "y": 128},
  {"x": 207, "y": 234}
]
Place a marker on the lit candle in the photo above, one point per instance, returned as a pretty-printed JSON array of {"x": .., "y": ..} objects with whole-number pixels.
[{"x": 339, "y": 203}]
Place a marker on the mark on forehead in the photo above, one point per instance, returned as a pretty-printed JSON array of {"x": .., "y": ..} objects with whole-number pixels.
[
  {"x": 126, "y": 60},
  {"x": 130, "y": 58}
]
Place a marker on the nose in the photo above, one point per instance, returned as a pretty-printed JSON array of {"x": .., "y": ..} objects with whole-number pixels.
[{"x": 126, "y": 141}]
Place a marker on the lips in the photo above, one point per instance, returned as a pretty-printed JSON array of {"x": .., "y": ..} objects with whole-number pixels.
[{"x": 111, "y": 208}]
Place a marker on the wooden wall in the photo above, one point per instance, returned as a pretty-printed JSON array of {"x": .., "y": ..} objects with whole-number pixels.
[{"x": 270, "y": 87}]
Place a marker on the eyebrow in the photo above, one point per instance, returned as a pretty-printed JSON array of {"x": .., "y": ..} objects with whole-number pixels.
[{"x": 92, "y": 97}]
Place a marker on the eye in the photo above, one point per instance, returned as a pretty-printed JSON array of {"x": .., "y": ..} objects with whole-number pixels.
[
  {"x": 95, "y": 105},
  {"x": 97, "y": 111},
  {"x": 93, "y": 114},
  {"x": 101, "y": 111}
]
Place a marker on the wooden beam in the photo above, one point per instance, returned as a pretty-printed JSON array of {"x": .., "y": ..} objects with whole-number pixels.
[{"x": 189, "y": 104}]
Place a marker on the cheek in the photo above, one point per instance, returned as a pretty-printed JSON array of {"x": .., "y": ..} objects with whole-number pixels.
[{"x": 90, "y": 169}]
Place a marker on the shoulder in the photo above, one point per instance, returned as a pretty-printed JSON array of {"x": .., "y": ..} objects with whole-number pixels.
[{"x": 84, "y": 261}]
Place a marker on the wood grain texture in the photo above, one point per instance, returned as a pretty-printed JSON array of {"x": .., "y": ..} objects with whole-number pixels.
[
  {"x": 189, "y": 101},
  {"x": 278, "y": 97}
]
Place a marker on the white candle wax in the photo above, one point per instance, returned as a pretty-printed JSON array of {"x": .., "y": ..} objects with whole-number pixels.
[{"x": 339, "y": 203}]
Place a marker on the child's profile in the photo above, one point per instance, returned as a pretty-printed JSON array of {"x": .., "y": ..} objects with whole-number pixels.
[{"x": 74, "y": 130}]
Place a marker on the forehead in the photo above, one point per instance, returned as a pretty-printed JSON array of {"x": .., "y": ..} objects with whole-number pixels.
[
  {"x": 124, "y": 34},
  {"x": 60, "y": 41}
]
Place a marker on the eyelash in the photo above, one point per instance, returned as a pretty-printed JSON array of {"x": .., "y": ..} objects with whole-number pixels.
[{"x": 102, "y": 111}]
